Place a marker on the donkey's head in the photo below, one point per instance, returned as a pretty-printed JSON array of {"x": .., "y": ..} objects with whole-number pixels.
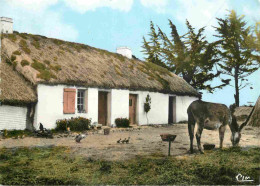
[
  {"x": 235, "y": 128},
  {"x": 236, "y": 131}
]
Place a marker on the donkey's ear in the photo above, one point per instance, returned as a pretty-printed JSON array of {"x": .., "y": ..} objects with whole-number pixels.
[{"x": 242, "y": 126}]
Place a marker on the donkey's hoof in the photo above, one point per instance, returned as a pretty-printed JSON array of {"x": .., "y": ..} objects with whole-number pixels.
[{"x": 202, "y": 152}]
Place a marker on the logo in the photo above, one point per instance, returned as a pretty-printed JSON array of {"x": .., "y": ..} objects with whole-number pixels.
[{"x": 241, "y": 178}]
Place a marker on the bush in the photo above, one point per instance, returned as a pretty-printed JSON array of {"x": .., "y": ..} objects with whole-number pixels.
[
  {"x": 75, "y": 124},
  {"x": 122, "y": 122}
]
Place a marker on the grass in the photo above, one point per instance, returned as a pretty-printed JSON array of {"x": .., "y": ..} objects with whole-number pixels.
[
  {"x": 38, "y": 66},
  {"x": 24, "y": 46},
  {"x": 25, "y": 62},
  {"x": 16, "y": 133},
  {"x": 36, "y": 44},
  {"x": 45, "y": 73},
  {"x": 17, "y": 52},
  {"x": 11, "y": 37},
  {"x": 57, "y": 166}
]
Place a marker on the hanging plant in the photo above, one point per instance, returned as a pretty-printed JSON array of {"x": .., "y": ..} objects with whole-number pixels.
[{"x": 147, "y": 105}]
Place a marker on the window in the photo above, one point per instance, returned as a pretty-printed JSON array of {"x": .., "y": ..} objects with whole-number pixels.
[{"x": 81, "y": 101}]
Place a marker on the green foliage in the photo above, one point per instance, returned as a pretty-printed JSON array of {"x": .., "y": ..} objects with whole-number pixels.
[
  {"x": 13, "y": 58},
  {"x": 36, "y": 44},
  {"x": 11, "y": 37},
  {"x": 47, "y": 62},
  {"x": 58, "y": 166},
  {"x": 147, "y": 104},
  {"x": 25, "y": 62},
  {"x": 152, "y": 48},
  {"x": 189, "y": 56},
  {"x": 16, "y": 133},
  {"x": 55, "y": 67},
  {"x": 122, "y": 122},
  {"x": 75, "y": 124},
  {"x": 17, "y": 52},
  {"x": 24, "y": 46},
  {"x": 46, "y": 75},
  {"x": 8, "y": 61},
  {"x": 23, "y": 35},
  {"x": 58, "y": 42},
  {"x": 239, "y": 50},
  {"x": 37, "y": 65},
  {"x": 118, "y": 71}
]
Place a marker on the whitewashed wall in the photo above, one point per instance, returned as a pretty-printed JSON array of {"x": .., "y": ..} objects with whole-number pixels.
[
  {"x": 12, "y": 118},
  {"x": 159, "y": 108},
  {"x": 119, "y": 104},
  {"x": 50, "y": 105},
  {"x": 182, "y": 104}
]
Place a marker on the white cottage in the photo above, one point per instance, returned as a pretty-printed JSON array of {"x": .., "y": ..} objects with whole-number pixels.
[{"x": 44, "y": 80}]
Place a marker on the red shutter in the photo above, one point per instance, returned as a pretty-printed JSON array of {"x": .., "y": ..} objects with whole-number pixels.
[{"x": 69, "y": 101}]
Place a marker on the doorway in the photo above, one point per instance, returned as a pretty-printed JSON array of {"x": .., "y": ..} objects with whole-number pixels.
[
  {"x": 102, "y": 108},
  {"x": 172, "y": 110},
  {"x": 132, "y": 108}
]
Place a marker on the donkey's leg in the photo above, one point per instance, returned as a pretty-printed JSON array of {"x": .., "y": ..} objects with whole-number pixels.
[
  {"x": 222, "y": 129},
  {"x": 191, "y": 134},
  {"x": 198, "y": 135}
]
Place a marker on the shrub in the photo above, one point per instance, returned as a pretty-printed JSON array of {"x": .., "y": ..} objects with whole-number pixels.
[
  {"x": 75, "y": 124},
  {"x": 24, "y": 62},
  {"x": 122, "y": 122}
]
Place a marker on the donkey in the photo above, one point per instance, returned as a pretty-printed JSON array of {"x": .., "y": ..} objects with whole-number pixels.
[{"x": 212, "y": 116}]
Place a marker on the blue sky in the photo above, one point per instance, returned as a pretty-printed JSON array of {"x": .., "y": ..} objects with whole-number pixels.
[{"x": 108, "y": 24}]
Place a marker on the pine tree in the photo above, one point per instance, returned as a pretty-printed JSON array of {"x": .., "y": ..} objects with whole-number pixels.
[
  {"x": 152, "y": 48},
  {"x": 239, "y": 50},
  {"x": 189, "y": 56}
]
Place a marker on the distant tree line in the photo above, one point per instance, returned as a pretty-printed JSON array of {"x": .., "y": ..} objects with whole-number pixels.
[{"x": 235, "y": 53}]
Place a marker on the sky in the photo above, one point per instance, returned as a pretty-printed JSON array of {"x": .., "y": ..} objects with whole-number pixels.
[{"x": 108, "y": 24}]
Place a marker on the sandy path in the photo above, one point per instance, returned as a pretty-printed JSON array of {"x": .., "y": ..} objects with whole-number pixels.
[{"x": 145, "y": 141}]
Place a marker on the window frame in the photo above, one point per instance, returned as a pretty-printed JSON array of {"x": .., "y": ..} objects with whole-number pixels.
[{"x": 81, "y": 96}]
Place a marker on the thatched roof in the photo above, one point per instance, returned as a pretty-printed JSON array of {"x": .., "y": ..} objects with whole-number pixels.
[
  {"x": 241, "y": 113},
  {"x": 14, "y": 88},
  {"x": 254, "y": 120},
  {"x": 50, "y": 61}
]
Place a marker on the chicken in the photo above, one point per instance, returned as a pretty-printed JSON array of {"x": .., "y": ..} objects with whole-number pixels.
[{"x": 79, "y": 137}]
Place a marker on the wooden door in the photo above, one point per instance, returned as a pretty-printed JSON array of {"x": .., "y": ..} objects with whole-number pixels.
[
  {"x": 132, "y": 108},
  {"x": 102, "y": 108},
  {"x": 172, "y": 110}
]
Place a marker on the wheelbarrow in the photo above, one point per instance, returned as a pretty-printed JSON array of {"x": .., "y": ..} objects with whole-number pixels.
[{"x": 170, "y": 138}]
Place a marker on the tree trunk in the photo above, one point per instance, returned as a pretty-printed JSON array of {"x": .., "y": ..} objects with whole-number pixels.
[{"x": 236, "y": 86}]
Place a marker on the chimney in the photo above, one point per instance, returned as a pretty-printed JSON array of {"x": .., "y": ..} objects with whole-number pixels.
[
  {"x": 6, "y": 25},
  {"x": 125, "y": 51}
]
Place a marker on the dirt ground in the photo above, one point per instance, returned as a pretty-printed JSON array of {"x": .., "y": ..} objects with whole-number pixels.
[{"x": 143, "y": 141}]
